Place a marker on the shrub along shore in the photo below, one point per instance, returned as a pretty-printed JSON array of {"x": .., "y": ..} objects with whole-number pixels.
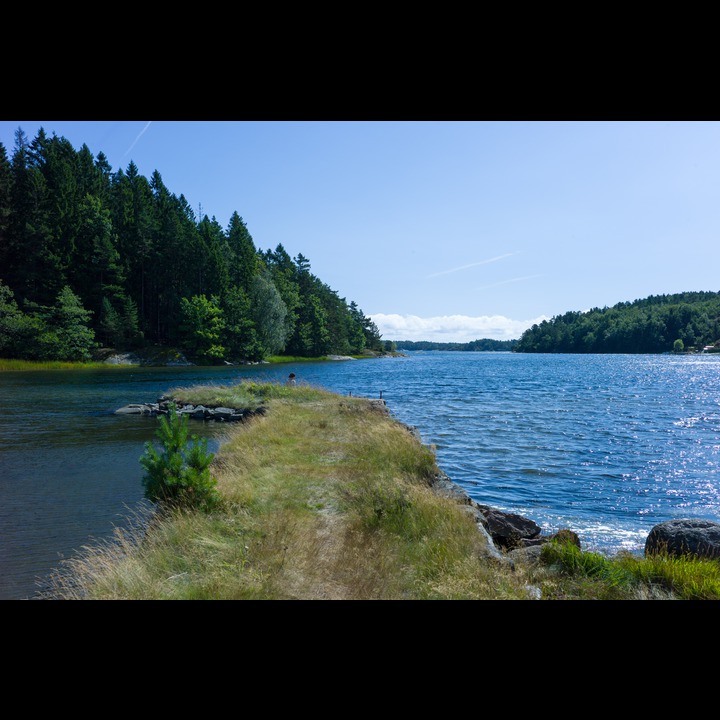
[{"x": 323, "y": 496}]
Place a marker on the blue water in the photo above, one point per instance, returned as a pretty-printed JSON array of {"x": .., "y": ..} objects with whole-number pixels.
[{"x": 606, "y": 445}]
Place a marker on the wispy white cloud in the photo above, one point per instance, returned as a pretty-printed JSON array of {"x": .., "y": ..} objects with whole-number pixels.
[
  {"x": 451, "y": 328},
  {"x": 475, "y": 264},
  {"x": 505, "y": 282},
  {"x": 142, "y": 132}
]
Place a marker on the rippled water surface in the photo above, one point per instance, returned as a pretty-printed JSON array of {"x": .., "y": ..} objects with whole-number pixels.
[{"x": 608, "y": 445}]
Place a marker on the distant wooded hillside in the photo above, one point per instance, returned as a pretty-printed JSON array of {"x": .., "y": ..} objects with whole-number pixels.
[
  {"x": 485, "y": 345},
  {"x": 683, "y": 322}
]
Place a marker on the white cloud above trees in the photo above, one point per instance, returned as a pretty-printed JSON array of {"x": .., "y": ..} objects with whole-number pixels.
[{"x": 451, "y": 328}]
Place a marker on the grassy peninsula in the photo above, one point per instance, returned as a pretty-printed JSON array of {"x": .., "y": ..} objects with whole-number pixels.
[{"x": 327, "y": 497}]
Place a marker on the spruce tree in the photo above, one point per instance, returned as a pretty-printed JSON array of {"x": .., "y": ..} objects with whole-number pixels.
[
  {"x": 5, "y": 209},
  {"x": 35, "y": 269},
  {"x": 132, "y": 217},
  {"x": 243, "y": 261}
]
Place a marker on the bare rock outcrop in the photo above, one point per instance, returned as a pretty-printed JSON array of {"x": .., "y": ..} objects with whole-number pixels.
[
  {"x": 685, "y": 537},
  {"x": 197, "y": 412}
]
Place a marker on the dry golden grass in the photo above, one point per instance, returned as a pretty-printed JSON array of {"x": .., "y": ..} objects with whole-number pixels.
[{"x": 324, "y": 497}]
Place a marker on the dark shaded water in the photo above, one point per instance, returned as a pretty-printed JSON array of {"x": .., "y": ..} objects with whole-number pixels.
[{"x": 608, "y": 445}]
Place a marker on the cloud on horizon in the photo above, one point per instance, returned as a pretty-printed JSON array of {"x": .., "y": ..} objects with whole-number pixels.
[{"x": 451, "y": 328}]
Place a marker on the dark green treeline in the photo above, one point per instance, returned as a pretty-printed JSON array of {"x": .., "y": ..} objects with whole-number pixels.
[
  {"x": 659, "y": 323},
  {"x": 484, "y": 345},
  {"x": 94, "y": 257}
]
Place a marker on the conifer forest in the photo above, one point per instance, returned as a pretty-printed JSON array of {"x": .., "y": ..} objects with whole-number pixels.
[{"x": 95, "y": 257}]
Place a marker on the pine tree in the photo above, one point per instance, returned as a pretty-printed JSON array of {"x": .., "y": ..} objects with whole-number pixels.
[
  {"x": 5, "y": 210},
  {"x": 111, "y": 325},
  {"x": 132, "y": 218},
  {"x": 97, "y": 272},
  {"x": 243, "y": 260},
  {"x": 35, "y": 269},
  {"x": 210, "y": 259},
  {"x": 179, "y": 476}
]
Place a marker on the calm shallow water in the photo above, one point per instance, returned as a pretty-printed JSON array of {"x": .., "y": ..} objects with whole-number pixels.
[{"x": 608, "y": 445}]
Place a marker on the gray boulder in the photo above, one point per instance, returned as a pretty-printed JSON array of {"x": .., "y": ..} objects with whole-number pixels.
[
  {"x": 700, "y": 538},
  {"x": 507, "y": 529},
  {"x": 137, "y": 409}
]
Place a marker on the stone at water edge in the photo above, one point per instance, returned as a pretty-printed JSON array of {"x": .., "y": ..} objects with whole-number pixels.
[{"x": 688, "y": 536}]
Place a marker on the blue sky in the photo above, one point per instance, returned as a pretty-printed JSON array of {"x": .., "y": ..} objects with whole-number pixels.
[{"x": 449, "y": 230}]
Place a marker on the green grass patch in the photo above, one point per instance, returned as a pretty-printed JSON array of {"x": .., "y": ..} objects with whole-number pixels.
[
  {"x": 587, "y": 575},
  {"x": 22, "y": 365},
  {"x": 288, "y": 359},
  {"x": 245, "y": 394},
  {"x": 687, "y": 578}
]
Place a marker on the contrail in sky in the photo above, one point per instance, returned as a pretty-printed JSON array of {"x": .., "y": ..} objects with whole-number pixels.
[
  {"x": 464, "y": 267},
  {"x": 137, "y": 138},
  {"x": 505, "y": 282}
]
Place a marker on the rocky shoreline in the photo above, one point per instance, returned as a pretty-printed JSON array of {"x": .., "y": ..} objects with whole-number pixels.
[
  {"x": 512, "y": 537},
  {"x": 216, "y": 413},
  {"x": 168, "y": 357}
]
